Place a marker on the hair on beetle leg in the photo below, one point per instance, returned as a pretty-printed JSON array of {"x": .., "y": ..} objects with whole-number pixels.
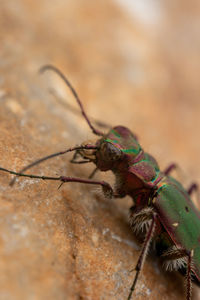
[
  {"x": 175, "y": 264},
  {"x": 174, "y": 259},
  {"x": 141, "y": 221}
]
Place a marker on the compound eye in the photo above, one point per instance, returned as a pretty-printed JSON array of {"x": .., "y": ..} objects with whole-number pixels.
[{"x": 110, "y": 152}]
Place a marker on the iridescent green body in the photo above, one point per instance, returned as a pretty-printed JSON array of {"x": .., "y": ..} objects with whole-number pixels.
[
  {"x": 179, "y": 217},
  {"x": 138, "y": 175}
]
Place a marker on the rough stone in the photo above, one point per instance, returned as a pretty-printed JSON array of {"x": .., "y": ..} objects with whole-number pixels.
[{"x": 128, "y": 69}]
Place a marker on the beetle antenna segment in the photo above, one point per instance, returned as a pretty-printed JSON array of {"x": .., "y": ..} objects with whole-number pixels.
[
  {"x": 51, "y": 156},
  {"x": 143, "y": 254},
  {"x": 77, "y": 111},
  {"x": 50, "y": 67}
]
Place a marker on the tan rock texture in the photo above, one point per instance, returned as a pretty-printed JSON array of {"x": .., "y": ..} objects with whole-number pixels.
[{"x": 139, "y": 68}]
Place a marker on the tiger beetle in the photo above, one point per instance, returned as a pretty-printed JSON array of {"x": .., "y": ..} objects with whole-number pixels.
[{"x": 162, "y": 212}]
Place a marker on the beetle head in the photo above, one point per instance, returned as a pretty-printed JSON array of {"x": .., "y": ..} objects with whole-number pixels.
[
  {"x": 108, "y": 155},
  {"x": 105, "y": 156}
]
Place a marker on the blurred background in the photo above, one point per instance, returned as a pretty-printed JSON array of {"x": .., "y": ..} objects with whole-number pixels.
[{"x": 134, "y": 63}]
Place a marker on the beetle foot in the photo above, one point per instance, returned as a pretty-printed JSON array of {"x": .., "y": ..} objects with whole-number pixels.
[{"x": 107, "y": 190}]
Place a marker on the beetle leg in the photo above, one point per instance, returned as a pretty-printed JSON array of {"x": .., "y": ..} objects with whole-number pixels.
[
  {"x": 84, "y": 161},
  {"x": 174, "y": 259},
  {"x": 193, "y": 188},
  {"x": 188, "y": 276},
  {"x": 140, "y": 220},
  {"x": 177, "y": 259},
  {"x": 170, "y": 168},
  {"x": 107, "y": 189},
  {"x": 79, "y": 162},
  {"x": 93, "y": 173},
  {"x": 74, "y": 157},
  {"x": 173, "y": 167},
  {"x": 143, "y": 253},
  {"x": 38, "y": 161}
]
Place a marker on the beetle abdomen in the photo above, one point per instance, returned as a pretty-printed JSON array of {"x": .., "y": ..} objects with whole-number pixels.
[{"x": 179, "y": 217}]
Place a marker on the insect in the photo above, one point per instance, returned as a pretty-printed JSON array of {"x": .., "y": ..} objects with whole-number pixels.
[{"x": 162, "y": 209}]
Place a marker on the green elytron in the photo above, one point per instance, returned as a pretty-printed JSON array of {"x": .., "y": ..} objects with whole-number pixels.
[{"x": 162, "y": 209}]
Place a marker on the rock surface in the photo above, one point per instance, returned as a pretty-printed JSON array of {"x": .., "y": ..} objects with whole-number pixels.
[{"x": 139, "y": 70}]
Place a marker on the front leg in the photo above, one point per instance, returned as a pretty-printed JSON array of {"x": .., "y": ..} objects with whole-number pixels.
[{"x": 107, "y": 189}]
